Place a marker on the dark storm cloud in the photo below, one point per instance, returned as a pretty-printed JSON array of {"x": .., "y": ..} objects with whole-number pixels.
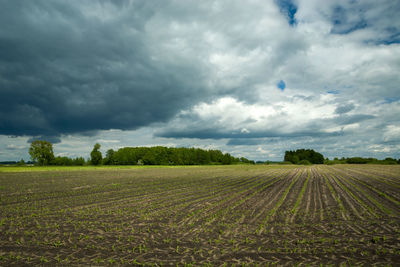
[
  {"x": 51, "y": 139},
  {"x": 69, "y": 68}
]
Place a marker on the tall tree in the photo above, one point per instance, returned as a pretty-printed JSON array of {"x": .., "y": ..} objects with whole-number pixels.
[
  {"x": 95, "y": 155},
  {"x": 109, "y": 159},
  {"x": 42, "y": 152}
]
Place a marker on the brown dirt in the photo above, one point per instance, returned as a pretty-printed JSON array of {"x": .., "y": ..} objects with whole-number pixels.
[{"x": 201, "y": 215}]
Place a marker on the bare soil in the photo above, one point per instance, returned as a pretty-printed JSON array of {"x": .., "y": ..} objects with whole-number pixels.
[{"x": 241, "y": 215}]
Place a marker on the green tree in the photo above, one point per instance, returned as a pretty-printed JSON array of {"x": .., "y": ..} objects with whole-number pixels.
[
  {"x": 304, "y": 162},
  {"x": 109, "y": 159},
  {"x": 95, "y": 155},
  {"x": 79, "y": 161},
  {"x": 226, "y": 159},
  {"x": 42, "y": 152},
  {"x": 304, "y": 154},
  {"x": 167, "y": 156},
  {"x": 62, "y": 161},
  {"x": 21, "y": 162}
]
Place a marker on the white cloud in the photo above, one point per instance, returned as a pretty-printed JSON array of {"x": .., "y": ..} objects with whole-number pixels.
[
  {"x": 108, "y": 141},
  {"x": 229, "y": 115},
  {"x": 16, "y": 147},
  {"x": 392, "y": 133},
  {"x": 380, "y": 148}
]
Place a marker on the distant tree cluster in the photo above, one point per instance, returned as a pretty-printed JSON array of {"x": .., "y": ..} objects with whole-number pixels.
[
  {"x": 244, "y": 160},
  {"x": 42, "y": 153},
  {"x": 360, "y": 160},
  {"x": 17, "y": 163},
  {"x": 160, "y": 155},
  {"x": 65, "y": 161},
  {"x": 304, "y": 156}
]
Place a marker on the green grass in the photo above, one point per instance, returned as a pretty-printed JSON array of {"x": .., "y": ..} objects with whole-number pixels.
[
  {"x": 83, "y": 168},
  {"x": 128, "y": 167}
]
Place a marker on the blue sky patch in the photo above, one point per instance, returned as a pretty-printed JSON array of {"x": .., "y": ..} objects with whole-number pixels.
[
  {"x": 392, "y": 39},
  {"x": 333, "y": 92},
  {"x": 345, "y": 24},
  {"x": 281, "y": 85},
  {"x": 391, "y": 99},
  {"x": 289, "y": 9}
]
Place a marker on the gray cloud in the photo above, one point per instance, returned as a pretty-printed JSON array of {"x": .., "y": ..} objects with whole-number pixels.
[
  {"x": 245, "y": 142},
  {"x": 216, "y": 133},
  {"x": 15, "y": 147},
  {"x": 294, "y": 117},
  {"x": 344, "y": 108},
  {"x": 349, "y": 119}
]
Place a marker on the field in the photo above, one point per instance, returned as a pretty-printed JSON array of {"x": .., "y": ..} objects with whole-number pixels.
[{"x": 215, "y": 215}]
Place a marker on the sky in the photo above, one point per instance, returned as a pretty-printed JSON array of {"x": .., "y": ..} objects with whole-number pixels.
[{"x": 252, "y": 78}]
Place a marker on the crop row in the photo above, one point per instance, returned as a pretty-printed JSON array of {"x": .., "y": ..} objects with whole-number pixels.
[{"x": 201, "y": 215}]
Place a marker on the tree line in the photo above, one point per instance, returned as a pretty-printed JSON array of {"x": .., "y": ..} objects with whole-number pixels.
[
  {"x": 360, "y": 160},
  {"x": 304, "y": 156},
  {"x": 160, "y": 155},
  {"x": 42, "y": 153},
  {"x": 309, "y": 156}
]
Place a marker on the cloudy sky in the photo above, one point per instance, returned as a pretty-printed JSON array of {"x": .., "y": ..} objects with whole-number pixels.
[{"x": 252, "y": 78}]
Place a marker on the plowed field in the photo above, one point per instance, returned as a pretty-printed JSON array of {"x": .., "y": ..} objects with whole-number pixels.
[{"x": 241, "y": 215}]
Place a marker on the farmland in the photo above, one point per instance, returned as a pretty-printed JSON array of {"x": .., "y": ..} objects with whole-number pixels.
[{"x": 241, "y": 215}]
